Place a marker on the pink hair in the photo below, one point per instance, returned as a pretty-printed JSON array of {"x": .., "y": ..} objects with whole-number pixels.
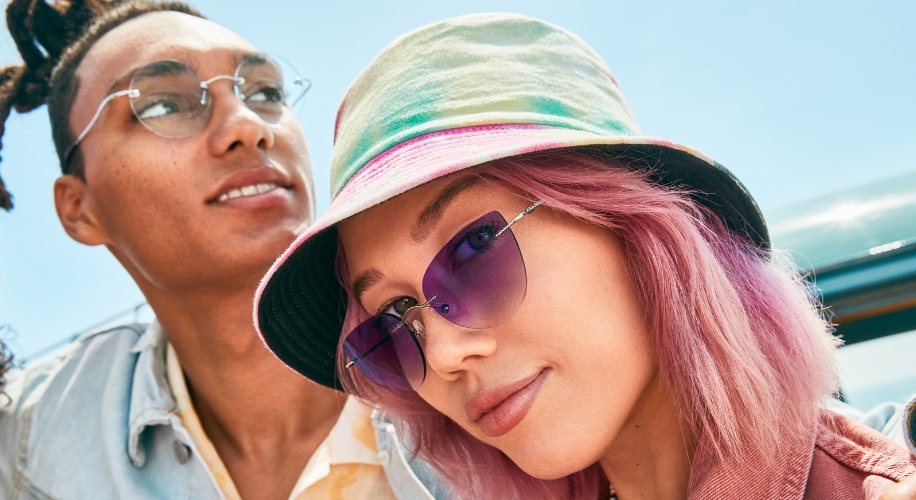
[{"x": 739, "y": 339}]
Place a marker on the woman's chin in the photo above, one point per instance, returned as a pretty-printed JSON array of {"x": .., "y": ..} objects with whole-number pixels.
[{"x": 547, "y": 465}]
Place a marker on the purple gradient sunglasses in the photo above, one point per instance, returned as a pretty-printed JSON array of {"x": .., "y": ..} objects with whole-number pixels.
[{"x": 477, "y": 280}]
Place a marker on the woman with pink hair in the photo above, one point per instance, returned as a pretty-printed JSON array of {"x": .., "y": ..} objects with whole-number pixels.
[{"x": 550, "y": 304}]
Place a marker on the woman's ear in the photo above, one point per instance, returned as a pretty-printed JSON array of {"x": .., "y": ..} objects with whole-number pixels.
[{"x": 76, "y": 211}]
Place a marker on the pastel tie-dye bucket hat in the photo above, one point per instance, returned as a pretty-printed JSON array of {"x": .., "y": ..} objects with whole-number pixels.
[{"x": 447, "y": 97}]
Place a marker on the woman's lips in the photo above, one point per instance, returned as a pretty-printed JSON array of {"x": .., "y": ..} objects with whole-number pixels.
[{"x": 498, "y": 410}]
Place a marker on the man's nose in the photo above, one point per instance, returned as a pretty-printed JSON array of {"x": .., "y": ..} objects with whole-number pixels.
[{"x": 233, "y": 124}]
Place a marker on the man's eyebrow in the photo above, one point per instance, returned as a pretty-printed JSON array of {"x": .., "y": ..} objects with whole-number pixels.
[
  {"x": 158, "y": 68},
  {"x": 365, "y": 281},
  {"x": 430, "y": 215},
  {"x": 167, "y": 66},
  {"x": 121, "y": 82}
]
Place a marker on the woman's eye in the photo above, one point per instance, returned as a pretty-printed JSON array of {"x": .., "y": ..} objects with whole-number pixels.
[
  {"x": 400, "y": 306},
  {"x": 474, "y": 242},
  {"x": 481, "y": 237}
]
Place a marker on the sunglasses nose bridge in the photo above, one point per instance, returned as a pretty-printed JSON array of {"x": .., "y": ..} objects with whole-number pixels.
[{"x": 414, "y": 323}]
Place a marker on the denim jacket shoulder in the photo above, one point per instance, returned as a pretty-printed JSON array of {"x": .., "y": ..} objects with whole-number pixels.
[
  {"x": 408, "y": 476},
  {"x": 895, "y": 420},
  {"x": 99, "y": 422}
]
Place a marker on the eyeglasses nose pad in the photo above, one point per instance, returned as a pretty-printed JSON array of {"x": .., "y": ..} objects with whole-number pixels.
[{"x": 237, "y": 82}]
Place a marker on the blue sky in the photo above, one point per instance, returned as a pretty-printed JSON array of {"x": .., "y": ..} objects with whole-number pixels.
[{"x": 797, "y": 98}]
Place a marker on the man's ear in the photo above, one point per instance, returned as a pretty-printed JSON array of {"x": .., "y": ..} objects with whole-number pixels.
[{"x": 75, "y": 211}]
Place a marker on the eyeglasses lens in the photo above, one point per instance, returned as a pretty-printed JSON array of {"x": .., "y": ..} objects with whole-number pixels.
[
  {"x": 262, "y": 88},
  {"x": 479, "y": 281},
  {"x": 168, "y": 102},
  {"x": 172, "y": 103},
  {"x": 390, "y": 357}
]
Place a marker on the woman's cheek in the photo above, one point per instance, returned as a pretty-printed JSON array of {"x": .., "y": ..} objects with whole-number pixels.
[{"x": 435, "y": 392}]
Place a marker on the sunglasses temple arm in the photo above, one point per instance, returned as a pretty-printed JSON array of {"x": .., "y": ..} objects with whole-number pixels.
[{"x": 518, "y": 217}]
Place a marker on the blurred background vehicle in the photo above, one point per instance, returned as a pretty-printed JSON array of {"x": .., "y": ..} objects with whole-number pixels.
[{"x": 858, "y": 246}]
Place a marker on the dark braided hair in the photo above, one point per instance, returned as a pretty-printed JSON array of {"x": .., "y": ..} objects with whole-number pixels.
[
  {"x": 53, "y": 39},
  {"x": 6, "y": 362}
]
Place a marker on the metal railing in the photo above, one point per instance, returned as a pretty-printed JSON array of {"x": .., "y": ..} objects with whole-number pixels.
[{"x": 51, "y": 348}]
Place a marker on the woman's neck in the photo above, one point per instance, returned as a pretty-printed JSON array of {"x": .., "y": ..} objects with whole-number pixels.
[{"x": 650, "y": 457}]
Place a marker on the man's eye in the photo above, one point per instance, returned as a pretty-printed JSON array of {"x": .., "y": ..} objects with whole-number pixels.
[
  {"x": 158, "y": 110},
  {"x": 265, "y": 94},
  {"x": 164, "y": 106},
  {"x": 400, "y": 306}
]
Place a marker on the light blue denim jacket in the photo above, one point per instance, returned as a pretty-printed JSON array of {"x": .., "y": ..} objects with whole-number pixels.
[
  {"x": 895, "y": 420},
  {"x": 99, "y": 422}
]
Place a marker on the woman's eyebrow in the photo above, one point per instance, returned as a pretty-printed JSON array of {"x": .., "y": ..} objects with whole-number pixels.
[
  {"x": 365, "y": 281},
  {"x": 426, "y": 221},
  {"x": 430, "y": 215}
]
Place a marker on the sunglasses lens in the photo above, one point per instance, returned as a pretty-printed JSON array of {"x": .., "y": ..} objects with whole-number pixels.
[
  {"x": 478, "y": 278},
  {"x": 388, "y": 357},
  {"x": 169, "y": 99}
]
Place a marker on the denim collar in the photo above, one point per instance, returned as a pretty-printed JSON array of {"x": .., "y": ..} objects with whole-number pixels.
[{"x": 151, "y": 401}]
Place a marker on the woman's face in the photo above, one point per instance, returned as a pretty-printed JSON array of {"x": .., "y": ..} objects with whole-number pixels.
[{"x": 554, "y": 385}]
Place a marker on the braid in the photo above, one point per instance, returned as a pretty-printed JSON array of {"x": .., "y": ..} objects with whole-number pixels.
[
  {"x": 52, "y": 40},
  {"x": 6, "y": 362},
  {"x": 9, "y": 85}
]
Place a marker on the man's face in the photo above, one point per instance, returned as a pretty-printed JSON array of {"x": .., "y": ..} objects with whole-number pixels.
[{"x": 160, "y": 200}]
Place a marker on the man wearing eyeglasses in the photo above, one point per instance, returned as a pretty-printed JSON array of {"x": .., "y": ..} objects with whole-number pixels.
[{"x": 182, "y": 155}]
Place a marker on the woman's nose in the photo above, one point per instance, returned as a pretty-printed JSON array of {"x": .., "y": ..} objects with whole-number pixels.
[{"x": 451, "y": 349}]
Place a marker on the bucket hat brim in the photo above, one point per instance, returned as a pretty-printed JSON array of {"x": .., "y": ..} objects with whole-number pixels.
[{"x": 299, "y": 306}]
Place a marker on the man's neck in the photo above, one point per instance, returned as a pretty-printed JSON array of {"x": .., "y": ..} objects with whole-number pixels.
[{"x": 264, "y": 419}]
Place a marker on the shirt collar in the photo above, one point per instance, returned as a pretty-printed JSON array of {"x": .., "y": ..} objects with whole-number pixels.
[
  {"x": 711, "y": 478},
  {"x": 351, "y": 441},
  {"x": 151, "y": 401}
]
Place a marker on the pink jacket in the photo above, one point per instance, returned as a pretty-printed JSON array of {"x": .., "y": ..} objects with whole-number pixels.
[{"x": 841, "y": 459}]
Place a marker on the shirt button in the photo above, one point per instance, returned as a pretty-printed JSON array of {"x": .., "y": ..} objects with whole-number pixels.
[
  {"x": 182, "y": 452},
  {"x": 385, "y": 457}
]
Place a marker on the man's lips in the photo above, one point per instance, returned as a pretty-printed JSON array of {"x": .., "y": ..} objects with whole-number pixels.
[
  {"x": 249, "y": 182},
  {"x": 249, "y": 190},
  {"x": 499, "y": 409}
]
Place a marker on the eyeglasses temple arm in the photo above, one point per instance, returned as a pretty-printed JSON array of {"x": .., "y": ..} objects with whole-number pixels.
[
  {"x": 98, "y": 112},
  {"x": 306, "y": 84}
]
